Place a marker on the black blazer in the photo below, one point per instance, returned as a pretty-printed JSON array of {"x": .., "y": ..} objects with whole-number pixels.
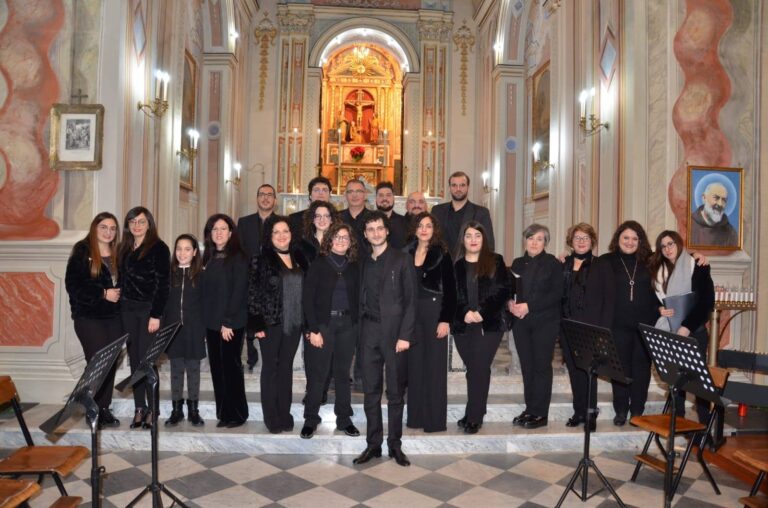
[
  {"x": 265, "y": 288},
  {"x": 318, "y": 287},
  {"x": 438, "y": 278},
  {"x": 493, "y": 295},
  {"x": 472, "y": 212},
  {"x": 542, "y": 285},
  {"x": 185, "y": 304},
  {"x": 225, "y": 289},
  {"x": 147, "y": 279},
  {"x": 249, "y": 228},
  {"x": 704, "y": 289},
  {"x": 86, "y": 294},
  {"x": 398, "y": 231}
]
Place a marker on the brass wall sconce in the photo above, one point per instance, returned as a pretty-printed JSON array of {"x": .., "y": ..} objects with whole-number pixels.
[
  {"x": 190, "y": 153},
  {"x": 486, "y": 183},
  {"x": 235, "y": 176},
  {"x": 159, "y": 105},
  {"x": 540, "y": 164},
  {"x": 589, "y": 124}
]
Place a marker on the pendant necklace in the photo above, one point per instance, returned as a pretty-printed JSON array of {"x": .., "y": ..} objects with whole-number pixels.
[
  {"x": 631, "y": 279},
  {"x": 339, "y": 267}
]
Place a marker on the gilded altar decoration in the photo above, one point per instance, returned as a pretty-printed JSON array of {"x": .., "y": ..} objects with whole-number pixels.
[
  {"x": 464, "y": 41},
  {"x": 265, "y": 33}
]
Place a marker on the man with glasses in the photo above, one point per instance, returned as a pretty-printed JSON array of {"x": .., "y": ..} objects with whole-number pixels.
[
  {"x": 460, "y": 210},
  {"x": 398, "y": 224},
  {"x": 319, "y": 189},
  {"x": 356, "y": 212}
]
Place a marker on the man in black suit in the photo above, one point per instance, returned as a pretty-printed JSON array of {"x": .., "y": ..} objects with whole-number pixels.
[
  {"x": 388, "y": 314},
  {"x": 319, "y": 189},
  {"x": 415, "y": 204},
  {"x": 398, "y": 224},
  {"x": 457, "y": 212},
  {"x": 249, "y": 230}
]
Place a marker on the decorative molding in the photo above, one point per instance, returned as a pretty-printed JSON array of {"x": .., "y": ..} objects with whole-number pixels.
[
  {"x": 435, "y": 30},
  {"x": 550, "y": 6},
  {"x": 299, "y": 23},
  {"x": 464, "y": 41},
  {"x": 265, "y": 34}
]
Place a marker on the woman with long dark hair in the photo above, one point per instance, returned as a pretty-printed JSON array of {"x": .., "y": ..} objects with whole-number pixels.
[
  {"x": 318, "y": 218},
  {"x": 91, "y": 282},
  {"x": 144, "y": 279},
  {"x": 225, "y": 291},
  {"x": 483, "y": 288},
  {"x": 436, "y": 307},
  {"x": 274, "y": 304}
]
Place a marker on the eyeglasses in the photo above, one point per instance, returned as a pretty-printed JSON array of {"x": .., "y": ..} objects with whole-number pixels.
[
  {"x": 265, "y": 194},
  {"x": 581, "y": 238},
  {"x": 137, "y": 222},
  {"x": 323, "y": 216},
  {"x": 668, "y": 245},
  {"x": 355, "y": 191},
  {"x": 341, "y": 239}
]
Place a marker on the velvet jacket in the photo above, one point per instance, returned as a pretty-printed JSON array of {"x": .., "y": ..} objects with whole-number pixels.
[
  {"x": 542, "y": 285},
  {"x": 265, "y": 287},
  {"x": 438, "y": 278},
  {"x": 318, "y": 289},
  {"x": 225, "y": 290},
  {"x": 493, "y": 295},
  {"x": 147, "y": 278},
  {"x": 86, "y": 294}
]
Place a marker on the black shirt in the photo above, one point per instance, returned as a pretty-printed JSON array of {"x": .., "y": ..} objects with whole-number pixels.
[
  {"x": 452, "y": 227},
  {"x": 358, "y": 225},
  {"x": 398, "y": 230},
  {"x": 372, "y": 282},
  {"x": 472, "y": 290},
  {"x": 339, "y": 298}
]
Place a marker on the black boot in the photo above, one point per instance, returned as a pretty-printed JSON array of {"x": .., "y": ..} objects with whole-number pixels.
[
  {"x": 193, "y": 415},
  {"x": 177, "y": 414}
]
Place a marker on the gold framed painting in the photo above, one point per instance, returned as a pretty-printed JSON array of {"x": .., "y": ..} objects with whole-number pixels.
[
  {"x": 77, "y": 136},
  {"x": 540, "y": 115},
  {"x": 715, "y": 205}
]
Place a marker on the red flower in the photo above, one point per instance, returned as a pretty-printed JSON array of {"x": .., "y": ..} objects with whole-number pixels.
[{"x": 357, "y": 152}]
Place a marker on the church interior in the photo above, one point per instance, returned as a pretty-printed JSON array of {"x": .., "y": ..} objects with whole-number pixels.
[{"x": 560, "y": 112}]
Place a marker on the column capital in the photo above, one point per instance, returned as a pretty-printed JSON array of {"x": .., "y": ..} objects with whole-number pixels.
[
  {"x": 434, "y": 28},
  {"x": 295, "y": 19}
]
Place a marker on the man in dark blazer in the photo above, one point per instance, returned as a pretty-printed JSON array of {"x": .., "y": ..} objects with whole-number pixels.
[
  {"x": 398, "y": 224},
  {"x": 388, "y": 314},
  {"x": 355, "y": 213},
  {"x": 459, "y": 210},
  {"x": 250, "y": 232},
  {"x": 319, "y": 189}
]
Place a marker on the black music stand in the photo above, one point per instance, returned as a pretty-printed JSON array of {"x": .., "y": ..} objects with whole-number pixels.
[
  {"x": 681, "y": 365},
  {"x": 593, "y": 350},
  {"x": 148, "y": 369},
  {"x": 87, "y": 386}
]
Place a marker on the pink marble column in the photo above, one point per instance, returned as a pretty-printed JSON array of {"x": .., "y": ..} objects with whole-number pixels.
[{"x": 26, "y": 304}]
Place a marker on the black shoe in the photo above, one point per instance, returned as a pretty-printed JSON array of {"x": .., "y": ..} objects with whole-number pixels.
[
  {"x": 177, "y": 413},
  {"x": 288, "y": 428},
  {"x": 521, "y": 418},
  {"x": 534, "y": 422},
  {"x": 472, "y": 428},
  {"x": 575, "y": 420},
  {"x": 107, "y": 419},
  {"x": 399, "y": 456},
  {"x": 307, "y": 432},
  {"x": 350, "y": 430},
  {"x": 193, "y": 414},
  {"x": 221, "y": 424},
  {"x": 138, "y": 417},
  {"x": 369, "y": 453},
  {"x": 276, "y": 430},
  {"x": 232, "y": 425},
  {"x": 147, "y": 420},
  {"x": 620, "y": 419},
  {"x": 462, "y": 422}
]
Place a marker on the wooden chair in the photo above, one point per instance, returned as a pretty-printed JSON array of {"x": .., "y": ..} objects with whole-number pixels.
[
  {"x": 757, "y": 458},
  {"x": 16, "y": 492},
  {"x": 57, "y": 461},
  {"x": 658, "y": 428}
]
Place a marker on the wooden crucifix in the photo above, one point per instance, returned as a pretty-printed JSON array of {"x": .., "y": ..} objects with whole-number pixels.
[{"x": 359, "y": 103}]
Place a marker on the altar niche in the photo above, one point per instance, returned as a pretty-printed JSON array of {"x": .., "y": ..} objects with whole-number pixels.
[{"x": 361, "y": 116}]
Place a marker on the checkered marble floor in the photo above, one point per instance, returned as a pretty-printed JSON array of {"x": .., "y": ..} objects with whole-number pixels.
[{"x": 479, "y": 480}]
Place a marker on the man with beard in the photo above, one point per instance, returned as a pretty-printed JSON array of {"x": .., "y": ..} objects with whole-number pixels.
[
  {"x": 709, "y": 223},
  {"x": 398, "y": 224},
  {"x": 319, "y": 189},
  {"x": 415, "y": 204},
  {"x": 454, "y": 214}
]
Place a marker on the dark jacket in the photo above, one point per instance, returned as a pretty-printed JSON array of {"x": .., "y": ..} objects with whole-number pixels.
[
  {"x": 398, "y": 231},
  {"x": 146, "y": 279},
  {"x": 438, "y": 278},
  {"x": 358, "y": 224},
  {"x": 704, "y": 289},
  {"x": 86, "y": 294},
  {"x": 310, "y": 249},
  {"x": 493, "y": 295},
  {"x": 541, "y": 278},
  {"x": 296, "y": 223},
  {"x": 575, "y": 294},
  {"x": 265, "y": 289},
  {"x": 249, "y": 228},
  {"x": 471, "y": 212},
  {"x": 225, "y": 290},
  {"x": 318, "y": 288},
  {"x": 185, "y": 305}
]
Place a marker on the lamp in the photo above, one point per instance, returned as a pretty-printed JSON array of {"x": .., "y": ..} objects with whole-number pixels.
[
  {"x": 538, "y": 163},
  {"x": 190, "y": 153},
  {"x": 159, "y": 104},
  {"x": 594, "y": 125},
  {"x": 486, "y": 179},
  {"x": 235, "y": 180}
]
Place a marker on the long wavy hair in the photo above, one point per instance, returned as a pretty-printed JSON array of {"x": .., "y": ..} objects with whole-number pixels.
[
  {"x": 233, "y": 247},
  {"x": 437, "y": 231},
  {"x": 643, "y": 253},
  {"x": 196, "y": 265},
  {"x": 150, "y": 238},
  {"x": 325, "y": 247},
  {"x": 269, "y": 225},
  {"x": 658, "y": 260},
  {"x": 95, "y": 259},
  {"x": 309, "y": 217},
  {"x": 486, "y": 263}
]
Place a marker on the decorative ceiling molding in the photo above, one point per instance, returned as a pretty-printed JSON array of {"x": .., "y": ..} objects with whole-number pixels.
[
  {"x": 464, "y": 41},
  {"x": 550, "y": 6},
  {"x": 265, "y": 34},
  {"x": 295, "y": 21},
  {"x": 435, "y": 30}
]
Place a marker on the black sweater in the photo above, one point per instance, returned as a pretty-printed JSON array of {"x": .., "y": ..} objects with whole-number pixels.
[
  {"x": 438, "y": 278},
  {"x": 146, "y": 279},
  {"x": 225, "y": 290},
  {"x": 493, "y": 295},
  {"x": 265, "y": 288},
  {"x": 86, "y": 294},
  {"x": 542, "y": 285},
  {"x": 318, "y": 291}
]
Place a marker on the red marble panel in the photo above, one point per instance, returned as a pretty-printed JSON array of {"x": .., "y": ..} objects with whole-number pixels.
[
  {"x": 27, "y": 183},
  {"x": 26, "y": 307}
]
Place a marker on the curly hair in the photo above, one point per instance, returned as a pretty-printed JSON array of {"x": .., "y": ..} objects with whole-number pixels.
[
  {"x": 584, "y": 228},
  {"x": 325, "y": 247},
  {"x": 308, "y": 219},
  {"x": 437, "y": 232},
  {"x": 269, "y": 225},
  {"x": 643, "y": 253}
]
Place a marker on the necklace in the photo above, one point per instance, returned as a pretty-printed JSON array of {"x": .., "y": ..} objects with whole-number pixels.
[
  {"x": 339, "y": 266},
  {"x": 631, "y": 279}
]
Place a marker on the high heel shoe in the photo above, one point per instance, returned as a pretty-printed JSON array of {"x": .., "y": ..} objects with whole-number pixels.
[
  {"x": 147, "y": 424},
  {"x": 138, "y": 418}
]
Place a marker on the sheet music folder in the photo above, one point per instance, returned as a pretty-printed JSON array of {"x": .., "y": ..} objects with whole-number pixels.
[{"x": 682, "y": 305}]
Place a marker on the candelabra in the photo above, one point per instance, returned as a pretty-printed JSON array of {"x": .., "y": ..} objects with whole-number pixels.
[
  {"x": 589, "y": 124},
  {"x": 190, "y": 153},
  {"x": 159, "y": 105}
]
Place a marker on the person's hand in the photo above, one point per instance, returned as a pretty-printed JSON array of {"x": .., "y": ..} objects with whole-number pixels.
[
  {"x": 511, "y": 306},
  {"x": 227, "y": 333},
  {"x": 469, "y": 317},
  {"x": 665, "y": 312},
  {"x": 443, "y": 329},
  {"x": 478, "y": 316},
  {"x": 562, "y": 256},
  {"x": 316, "y": 339},
  {"x": 154, "y": 325},
  {"x": 685, "y": 332},
  {"x": 112, "y": 295},
  {"x": 701, "y": 259},
  {"x": 519, "y": 310},
  {"x": 402, "y": 345},
  {"x": 260, "y": 335}
]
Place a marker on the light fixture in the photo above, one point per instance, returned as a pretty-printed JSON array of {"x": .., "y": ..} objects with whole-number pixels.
[
  {"x": 539, "y": 163},
  {"x": 190, "y": 153},
  {"x": 235, "y": 176},
  {"x": 234, "y": 34},
  {"x": 486, "y": 176},
  {"x": 159, "y": 104},
  {"x": 589, "y": 124}
]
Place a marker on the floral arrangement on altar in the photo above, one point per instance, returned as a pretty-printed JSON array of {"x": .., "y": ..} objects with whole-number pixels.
[{"x": 357, "y": 153}]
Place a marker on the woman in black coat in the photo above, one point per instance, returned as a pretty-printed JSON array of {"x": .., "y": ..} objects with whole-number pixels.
[
  {"x": 330, "y": 301},
  {"x": 537, "y": 309},
  {"x": 318, "y": 219},
  {"x": 225, "y": 290},
  {"x": 436, "y": 307},
  {"x": 144, "y": 281},
  {"x": 91, "y": 282},
  {"x": 483, "y": 288},
  {"x": 185, "y": 305},
  {"x": 274, "y": 304}
]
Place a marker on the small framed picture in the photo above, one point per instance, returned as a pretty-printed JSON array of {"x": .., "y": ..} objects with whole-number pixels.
[
  {"x": 77, "y": 134},
  {"x": 715, "y": 205}
]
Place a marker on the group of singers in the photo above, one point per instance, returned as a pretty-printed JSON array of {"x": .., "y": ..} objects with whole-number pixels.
[{"x": 378, "y": 287}]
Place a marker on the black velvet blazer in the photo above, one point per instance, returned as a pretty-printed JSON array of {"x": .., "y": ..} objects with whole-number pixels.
[
  {"x": 86, "y": 294},
  {"x": 493, "y": 295},
  {"x": 542, "y": 285},
  {"x": 225, "y": 289},
  {"x": 147, "y": 279},
  {"x": 438, "y": 278},
  {"x": 318, "y": 289},
  {"x": 265, "y": 288}
]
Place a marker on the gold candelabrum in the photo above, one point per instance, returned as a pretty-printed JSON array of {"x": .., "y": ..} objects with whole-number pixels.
[
  {"x": 190, "y": 153},
  {"x": 235, "y": 175},
  {"x": 589, "y": 123},
  {"x": 159, "y": 105},
  {"x": 540, "y": 164}
]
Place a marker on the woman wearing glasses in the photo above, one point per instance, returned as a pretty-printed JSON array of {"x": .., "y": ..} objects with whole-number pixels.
[
  {"x": 145, "y": 267},
  {"x": 318, "y": 218},
  {"x": 330, "y": 301}
]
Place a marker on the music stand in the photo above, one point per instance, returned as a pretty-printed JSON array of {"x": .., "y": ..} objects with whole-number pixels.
[
  {"x": 593, "y": 350},
  {"x": 683, "y": 367},
  {"x": 87, "y": 386},
  {"x": 147, "y": 369}
]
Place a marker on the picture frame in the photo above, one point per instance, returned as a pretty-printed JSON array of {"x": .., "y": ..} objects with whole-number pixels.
[
  {"x": 188, "y": 116},
  {"x": 76, "y": 136},
  {"x": 609, "y": 57},
  {"x": 715, "y": 208},
  {"x": 540, "y": 120}
]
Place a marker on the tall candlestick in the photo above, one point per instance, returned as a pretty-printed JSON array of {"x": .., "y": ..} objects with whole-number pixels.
[{"x": 295, "y": 141}]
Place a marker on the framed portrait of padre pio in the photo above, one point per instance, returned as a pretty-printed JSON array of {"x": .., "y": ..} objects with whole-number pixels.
[
  {"x": 715, "y": 206},
  {"x": 77, "y": 133}
]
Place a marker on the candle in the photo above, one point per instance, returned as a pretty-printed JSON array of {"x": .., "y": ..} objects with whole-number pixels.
[
  {"x": 583, "y": 104},
  {"x": 295, "y": 142},
  {"x": 429, "y": 149},
  {"x": 158, "y": 83},
  {"x": 536, "y": 149},
  {"x": 338, "y": 156},
  {"x": 194, "y": 136}
]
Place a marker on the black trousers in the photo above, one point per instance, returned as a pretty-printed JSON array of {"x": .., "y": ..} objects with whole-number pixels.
[
  {"x": 377, "y": 348},
  {"x": 637, "y": 366},
  {"x": 477, "y": 350},
  {"x": 277, "y": 352},
  {"x": 95, "y": 334},
  {"x": 252, "y": 351},
  {"x": 535, "y": 344},
  {"x": 579, "y": 380},
  {"x": 427, "y": 375},
  {"x": 339, "y": 340},
  {"x": 135, "y": 319},
  {"x": 180, "y": 366},
  {"x": 227, "y": 375}
]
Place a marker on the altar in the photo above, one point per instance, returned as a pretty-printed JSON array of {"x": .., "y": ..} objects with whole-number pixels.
[{"x": 362, "y": 161}]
